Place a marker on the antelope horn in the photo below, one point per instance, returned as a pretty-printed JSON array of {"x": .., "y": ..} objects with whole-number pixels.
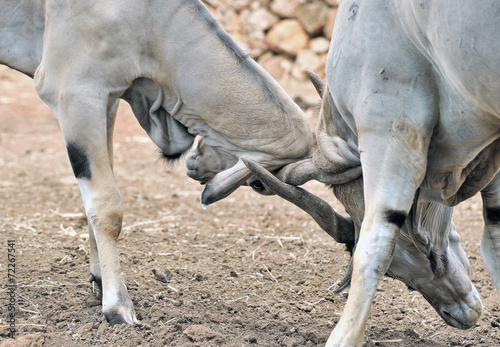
[
  {"x": 224, "y": 183},
  {"x": 346, "y": 282},
  {"x": 304, "y": 171},
  {"x": 337, "y": 226},
  {"x": 318, "y": 83}
]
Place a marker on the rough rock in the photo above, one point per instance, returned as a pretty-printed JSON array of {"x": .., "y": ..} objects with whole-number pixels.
[
  {"x": 287, "y": 36},
  {"x": 260, "y": 19},
  {"x": 239, "y": 4},
  {"x": 319, "y": 45},
  {"x": 227, "y": 18},
  {"x": 256, "y": 42},
  {"x": 278, "y": 66},
  {"x": 333, "y": 3},
  {"x": 306, "y": 59},
  {"x": 285, "y": 8},
  {"x": 312, "y": 16}
]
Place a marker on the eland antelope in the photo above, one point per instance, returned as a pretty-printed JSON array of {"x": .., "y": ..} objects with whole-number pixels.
[
  {"x": 182, "y": 75},
  {"x": 409, "y": 127}
]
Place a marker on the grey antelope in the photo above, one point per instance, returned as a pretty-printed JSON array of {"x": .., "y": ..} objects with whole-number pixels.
[
  {"x": 409, "y": 127},
  {"x": 182, "y": 75}
]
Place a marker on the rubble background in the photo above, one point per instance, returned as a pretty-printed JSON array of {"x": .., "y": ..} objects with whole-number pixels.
[{"x": 286, "y": 37}]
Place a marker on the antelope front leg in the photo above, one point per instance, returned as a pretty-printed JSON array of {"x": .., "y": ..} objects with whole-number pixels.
[
  {"x": 95, "y": 266},
  {"x": 490, "y": 244},
  {"x": 83, "y": 116},
  {"x": 90, "y": 159},
  {"x": 392, "y": 171},
  {"x": 372, "y": 258}
]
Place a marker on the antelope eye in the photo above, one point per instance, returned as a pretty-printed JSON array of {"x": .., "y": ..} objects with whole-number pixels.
[{"x": 258, "y": 186}]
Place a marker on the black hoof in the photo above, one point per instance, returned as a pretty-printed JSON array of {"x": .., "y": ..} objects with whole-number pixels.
[{"x": 113, "y": 318}]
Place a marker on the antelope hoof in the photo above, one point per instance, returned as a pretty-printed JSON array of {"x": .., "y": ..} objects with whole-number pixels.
[
  {"x": 115, "y": 317},
  {"x": 120, "y": 310}
]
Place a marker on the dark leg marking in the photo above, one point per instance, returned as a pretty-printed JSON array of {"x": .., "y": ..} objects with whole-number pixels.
[
  {"x": 79, "y": 161},
  {"x": 493, "y": 215},
  {"x": 395, "y": 217}
]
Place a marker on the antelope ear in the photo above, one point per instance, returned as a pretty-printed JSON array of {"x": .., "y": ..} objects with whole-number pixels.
[
  {"x": 224, "y": 183},
  {"x": 318, "y": 83}
]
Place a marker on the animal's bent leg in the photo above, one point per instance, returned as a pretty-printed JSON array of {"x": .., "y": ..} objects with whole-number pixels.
[
  {"x": 84, "y": 123},
  {"x": 490, "y": 244},
  {"x": 95, "y": 266},
  {"x": 390, "y": 183}
]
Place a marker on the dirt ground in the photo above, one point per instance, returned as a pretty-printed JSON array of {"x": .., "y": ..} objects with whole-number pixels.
[{"x": 250, "y": 270}]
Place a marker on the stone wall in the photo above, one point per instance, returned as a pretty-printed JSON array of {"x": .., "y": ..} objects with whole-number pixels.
[{"x": 286, "y": 37}]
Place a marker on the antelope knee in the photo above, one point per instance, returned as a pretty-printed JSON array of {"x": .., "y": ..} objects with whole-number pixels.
[{"x": 107, "y": 223}]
